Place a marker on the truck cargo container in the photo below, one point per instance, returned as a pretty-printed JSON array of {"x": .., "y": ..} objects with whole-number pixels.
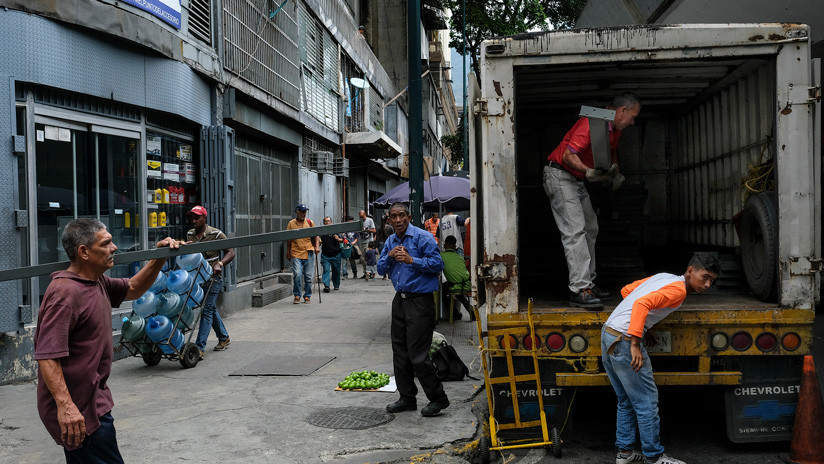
[{"x": 721, "y": 104}]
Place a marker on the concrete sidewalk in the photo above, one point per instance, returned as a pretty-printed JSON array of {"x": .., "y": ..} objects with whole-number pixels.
[{"x": 170, "y": 414}]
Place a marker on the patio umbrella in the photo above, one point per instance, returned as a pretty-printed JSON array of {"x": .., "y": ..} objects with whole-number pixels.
[{"x": 448, "y": 193}]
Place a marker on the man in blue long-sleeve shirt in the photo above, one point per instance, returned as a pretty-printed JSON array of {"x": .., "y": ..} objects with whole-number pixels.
[{"x": 412, "y": 260}]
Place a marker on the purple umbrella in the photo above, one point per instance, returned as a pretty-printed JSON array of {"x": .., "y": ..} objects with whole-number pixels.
[{"x": 439, "y": 192}]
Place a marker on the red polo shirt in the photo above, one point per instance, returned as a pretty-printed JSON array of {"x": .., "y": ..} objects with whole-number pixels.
[
  {"x": 74, "y": 326},
  {"x": 577, "y": 140}
]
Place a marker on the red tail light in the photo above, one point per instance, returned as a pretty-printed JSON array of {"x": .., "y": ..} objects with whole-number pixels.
[
  {"x": 528, "y": 341},
  {"x": 555, "y": 342},
  {"x": 766, "y": 341},
  {"x": 742, "y": 341}
]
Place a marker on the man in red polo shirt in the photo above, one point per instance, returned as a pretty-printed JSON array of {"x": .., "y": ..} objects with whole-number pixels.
[
  {"x": 567, "y": 167},
  {"x": 73, "y": 342}
]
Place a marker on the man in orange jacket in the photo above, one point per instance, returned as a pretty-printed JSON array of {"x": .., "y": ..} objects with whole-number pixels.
[{"x": 626, "y": 361}]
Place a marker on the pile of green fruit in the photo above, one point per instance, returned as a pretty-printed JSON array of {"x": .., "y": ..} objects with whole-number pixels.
[{"x": 364, "y": 380}]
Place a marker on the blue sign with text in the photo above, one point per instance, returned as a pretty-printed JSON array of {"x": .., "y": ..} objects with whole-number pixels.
[{"x": 167, "y": 10}]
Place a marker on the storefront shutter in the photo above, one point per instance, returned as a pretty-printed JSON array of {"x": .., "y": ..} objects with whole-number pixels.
[{"x": 217, "y": 185}]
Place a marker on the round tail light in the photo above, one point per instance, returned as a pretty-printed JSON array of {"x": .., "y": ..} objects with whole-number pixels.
[
  {"x": 577, "y": 343},
  {"x": 791, "y": 341},
  {"x": 555, "y": 342},
  {"x": 766, "y": 341},
  {"x": 528, "y": 342},
  {"x": 720, "y": 341},
  {"x": 742, "y": 341},
  {"x": 509, "y": 340}
]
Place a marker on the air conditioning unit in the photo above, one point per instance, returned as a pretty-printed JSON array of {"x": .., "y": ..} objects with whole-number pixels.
[
  {"x": 321, "y": 161},
  {"x": 340, "y": 167}
]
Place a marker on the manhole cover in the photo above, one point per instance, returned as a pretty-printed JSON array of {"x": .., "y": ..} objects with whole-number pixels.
[{"x": 349, "y": 418}]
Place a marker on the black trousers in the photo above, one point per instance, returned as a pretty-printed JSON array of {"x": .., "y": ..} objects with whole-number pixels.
[
  {"x": 99, "y": 447},
  {"x": 413, "y": 320}
]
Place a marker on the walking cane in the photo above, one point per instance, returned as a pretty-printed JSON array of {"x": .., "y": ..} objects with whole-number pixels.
[{"x": 317, "y": 278}]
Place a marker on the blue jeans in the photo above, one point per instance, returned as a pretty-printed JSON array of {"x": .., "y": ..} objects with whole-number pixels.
[
  {"x": 210, "y": 317},
  {"x": 302, "y": 270},
  {"x": 99, "y": 447},
  {"x": 637, "y": 397},
  {"x": 331, "y": 268}
]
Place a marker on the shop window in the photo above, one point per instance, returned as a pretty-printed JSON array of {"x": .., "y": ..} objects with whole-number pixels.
[{"x": 171, "y": 185}]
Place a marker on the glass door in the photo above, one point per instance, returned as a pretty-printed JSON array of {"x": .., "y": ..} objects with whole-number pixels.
[{"x": 85, "y": 171}]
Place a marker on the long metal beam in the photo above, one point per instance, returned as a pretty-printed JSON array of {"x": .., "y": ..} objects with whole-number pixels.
[{"x": 234, "y": 242}]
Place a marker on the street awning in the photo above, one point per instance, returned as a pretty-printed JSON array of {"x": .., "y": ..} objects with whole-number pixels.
[{"x": 371, "y": 144}]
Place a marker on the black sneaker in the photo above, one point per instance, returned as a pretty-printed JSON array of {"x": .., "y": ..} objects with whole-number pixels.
[
  {"x": 326, "y": 290},
  {"x": 601, "y": 294},
  {"x": 585, "y": 299},
  {"x": 434, "y": 408},
  {"x": 401, "y": 405}
]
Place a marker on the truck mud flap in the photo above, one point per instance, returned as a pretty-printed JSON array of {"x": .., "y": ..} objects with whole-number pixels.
[{"x": 761, "y": 412}]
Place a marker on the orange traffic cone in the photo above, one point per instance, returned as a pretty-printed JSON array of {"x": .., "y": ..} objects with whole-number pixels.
[{"x": 807, "y": 445}]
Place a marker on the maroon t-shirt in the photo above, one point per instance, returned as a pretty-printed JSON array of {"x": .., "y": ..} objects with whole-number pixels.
[{"x": 75, "y": 326}]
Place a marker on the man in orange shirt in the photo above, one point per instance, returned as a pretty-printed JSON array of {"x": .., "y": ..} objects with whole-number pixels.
[
  {"x": 431, "y": 225},
  {"x": 626, "y": 361},
  {"x": 567, "y": 167},
  {"x": 301, "y": 252}
]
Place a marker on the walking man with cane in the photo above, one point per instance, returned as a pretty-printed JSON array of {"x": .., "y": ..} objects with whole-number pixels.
[{"x": 301, "y": 252}]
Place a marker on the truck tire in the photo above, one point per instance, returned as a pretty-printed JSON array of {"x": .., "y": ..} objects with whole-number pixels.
[{"x": 759, "y": 244}]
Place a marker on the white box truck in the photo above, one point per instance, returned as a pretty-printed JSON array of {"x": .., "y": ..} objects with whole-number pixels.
[{"x": 729, "y": 111}]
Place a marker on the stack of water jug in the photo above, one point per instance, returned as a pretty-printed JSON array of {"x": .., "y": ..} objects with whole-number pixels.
[{"x": 165, "y": 311}]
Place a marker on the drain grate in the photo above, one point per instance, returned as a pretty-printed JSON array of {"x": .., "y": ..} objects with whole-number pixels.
[
  {"x": 284, "y": 365},
  {"x": 349, "y": 418}
]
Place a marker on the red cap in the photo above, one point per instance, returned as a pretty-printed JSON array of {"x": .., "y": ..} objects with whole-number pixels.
[{"x": 199, "y": 210}]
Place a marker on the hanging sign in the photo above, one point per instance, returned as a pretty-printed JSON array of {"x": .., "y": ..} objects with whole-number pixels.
[{"x": 167, "y": 10}]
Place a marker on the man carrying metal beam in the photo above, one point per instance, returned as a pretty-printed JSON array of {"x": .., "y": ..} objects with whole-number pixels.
[
  {"x": 73, "y": 342},
  {"x": 567, "y": 167}
]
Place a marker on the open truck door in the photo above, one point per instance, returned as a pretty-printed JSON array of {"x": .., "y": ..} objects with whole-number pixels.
[{"x": 476, "y": 191}]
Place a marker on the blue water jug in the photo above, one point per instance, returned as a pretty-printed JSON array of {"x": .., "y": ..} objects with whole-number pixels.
[
  {"x": 169, "y": 305},
  {"x": 187, "y": 317},
  {"x": 179, "y": 281},
  {"x": 197, "y": 277},
  {"x": 205, "y": 269},
  {"x": 146, "y": 305},
  {"x": 159, "y": 329},
  {"x": 134, "y": 328},
  {"x": 195, "y": 297},
  {"x": 159, "y": 284},
  {"x": 189, "y": 262}
]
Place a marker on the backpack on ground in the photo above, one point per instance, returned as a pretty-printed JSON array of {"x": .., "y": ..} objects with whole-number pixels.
[{"x": 448, "y": 365}]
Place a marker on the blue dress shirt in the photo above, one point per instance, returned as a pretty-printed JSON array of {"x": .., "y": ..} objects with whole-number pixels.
[{"x": 423, "y": 274}]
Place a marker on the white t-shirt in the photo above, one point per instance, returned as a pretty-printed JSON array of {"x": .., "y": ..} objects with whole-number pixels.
[{"x": 450, "y": 226}]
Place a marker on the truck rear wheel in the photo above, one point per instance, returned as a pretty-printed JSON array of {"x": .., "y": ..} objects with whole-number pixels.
[{"x": 759, "y": 244}]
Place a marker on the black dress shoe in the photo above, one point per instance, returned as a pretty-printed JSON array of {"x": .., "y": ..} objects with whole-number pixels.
[
  {"x": 434, "y": 408},
  {"x": 601, "y": 294},
  {"x": 326, "y": 290},
  {"x": 402, "y": 405}
]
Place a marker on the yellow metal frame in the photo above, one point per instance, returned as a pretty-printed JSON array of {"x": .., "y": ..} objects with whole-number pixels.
[{"x": 512, "y": 379}]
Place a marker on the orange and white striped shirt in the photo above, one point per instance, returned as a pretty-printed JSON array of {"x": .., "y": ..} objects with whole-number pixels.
[
  {"x": 646, "y": 302},
  {"x": 431, "y": 226}
]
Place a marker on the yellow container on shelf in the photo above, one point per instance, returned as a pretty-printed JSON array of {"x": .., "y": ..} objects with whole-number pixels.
[
  {"x": 158, "y": 195},
  {"x": 126, "y": 220},
  {"x": 153, "y": 219},
  {"x": 162, "y": 219},
  {"x": 165, "y": 196}
]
